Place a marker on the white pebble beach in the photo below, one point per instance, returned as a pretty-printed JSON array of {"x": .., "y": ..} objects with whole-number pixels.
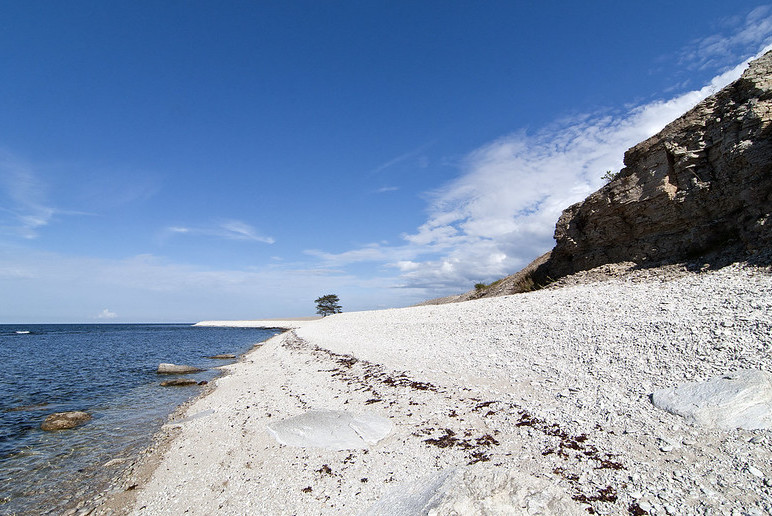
[{"x": 536, "y": 402}]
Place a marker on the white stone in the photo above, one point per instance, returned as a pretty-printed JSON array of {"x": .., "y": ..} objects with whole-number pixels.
[
  {"x": 176, "y": 369},
  {"x": 476, "y": 490},
  {"x": 755, "y": 472},
  {"x": 330, "y": 429},
  {"x": 742, "y": 399}
]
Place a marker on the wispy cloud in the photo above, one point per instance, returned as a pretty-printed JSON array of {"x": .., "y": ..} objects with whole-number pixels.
[
  {"x": 367, "y": 253},
  {"x": 740, "y": 37},
  {"x": 25, "y": 206},
  {"x": 228, "y": 229},
  {"x": 413, "y": 154},
  {"x": 500, "y": 213},
  {"x": 387, "y": 189}
]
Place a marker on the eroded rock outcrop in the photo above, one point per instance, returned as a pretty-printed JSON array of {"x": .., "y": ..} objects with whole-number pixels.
[{"x": 704, "y": 183}]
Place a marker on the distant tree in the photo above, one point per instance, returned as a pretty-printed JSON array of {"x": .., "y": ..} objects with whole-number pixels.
[{"x": 327, "y": 305}]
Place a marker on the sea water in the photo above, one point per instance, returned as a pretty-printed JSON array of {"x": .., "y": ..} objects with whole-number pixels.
[{"x": 107, "y": 370}]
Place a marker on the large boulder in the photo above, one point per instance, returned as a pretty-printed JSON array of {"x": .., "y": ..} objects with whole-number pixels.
[
  {"x": 476, "y": 490},
  {"x": 177, "y": 369},
  {"x": 742, "y": 399},
  {"x": 64, "y": 420},
  {"x": 331, "y": 429},
  {"x": 703, "y": 184}
]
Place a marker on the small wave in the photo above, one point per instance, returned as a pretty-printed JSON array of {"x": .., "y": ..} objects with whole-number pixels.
[{"x": 22, "y": 332}]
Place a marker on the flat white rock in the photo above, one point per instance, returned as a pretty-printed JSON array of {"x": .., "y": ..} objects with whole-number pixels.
[
  {"x": 177, "y": 369},
  {"x": 742, "y": 399},
  {"x": 476, "y": 491},
  {"x": 331, "y": 429}
]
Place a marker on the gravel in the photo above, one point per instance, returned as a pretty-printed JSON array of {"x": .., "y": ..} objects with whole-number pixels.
[
  {"x": 585, "y": 359},
  {"x": 546, "y": 388}
]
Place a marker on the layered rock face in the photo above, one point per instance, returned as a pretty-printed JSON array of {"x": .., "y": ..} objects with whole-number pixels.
[{"x": 704, "y": 183}]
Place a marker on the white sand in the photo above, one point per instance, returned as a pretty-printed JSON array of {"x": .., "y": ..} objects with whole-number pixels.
[
  {"x": 287, "y": 324},
  {"x": 539, "y": 401}
]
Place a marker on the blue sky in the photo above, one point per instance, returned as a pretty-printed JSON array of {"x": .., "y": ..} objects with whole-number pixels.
[{"x": 179, "y": 161}]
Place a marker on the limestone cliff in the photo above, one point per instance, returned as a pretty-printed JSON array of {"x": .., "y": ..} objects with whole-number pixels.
[{"x": 704, "y": 182}]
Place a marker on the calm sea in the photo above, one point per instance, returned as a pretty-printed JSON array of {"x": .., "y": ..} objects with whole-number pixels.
[{"x": 107, "y": 370}]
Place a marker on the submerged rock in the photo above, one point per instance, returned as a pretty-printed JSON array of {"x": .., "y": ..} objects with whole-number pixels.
[
  {"x": 178, "y": 382},
  {"x": 331, "y": 429},
  {"x": 177, "y": 369},
  {"x": 64, "y": 420},
  {"x": 24, "y": 408},
  {"x": 742, "y": 399}
]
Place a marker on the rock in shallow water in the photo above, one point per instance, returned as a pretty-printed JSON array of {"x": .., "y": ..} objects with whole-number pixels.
[
  {"x": 742, "y": 399},
  {"x": 178, "y": 382},
  {"x": 331, "y": 429},
  {"x": 64, "y": 420},
  {"x": 177, "y": 369},
  {"x": 223, "y": 356}
]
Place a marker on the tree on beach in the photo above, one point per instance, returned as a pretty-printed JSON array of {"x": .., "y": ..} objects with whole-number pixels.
[{"x": 327, "y": 305}]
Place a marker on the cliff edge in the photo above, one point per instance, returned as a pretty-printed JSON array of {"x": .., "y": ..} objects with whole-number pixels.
[
  {"x": 701, "y": 187},
  {"x": 702, "y": 184}
]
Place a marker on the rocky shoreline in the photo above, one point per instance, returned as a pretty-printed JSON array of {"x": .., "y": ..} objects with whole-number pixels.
[{"x": 539, "y": 400}]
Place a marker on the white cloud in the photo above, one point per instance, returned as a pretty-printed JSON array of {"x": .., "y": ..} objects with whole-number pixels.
[
  {"x": 228, "y": 229},
  {"x": 25, "y": 205},
  {"x": 237, "y": 230},
  {"x": 367, "y": 253},
  {"x": 386, "y": 189},
  {"x": 107, "y": 314},
  {"x": 742, "y": 36},
  {"x": 501, "y": 212},
  {"x": 415, "y": 153}
]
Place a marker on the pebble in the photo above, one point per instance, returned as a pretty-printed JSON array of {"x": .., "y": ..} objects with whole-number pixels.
[
  {"x": 602, "y": 344},
  {"x": 754, "y": 471}
]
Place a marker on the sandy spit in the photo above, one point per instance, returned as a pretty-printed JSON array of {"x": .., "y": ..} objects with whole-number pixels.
[
  {"x": 549, "y": 388},
  {"x": 286, "y": 324}
]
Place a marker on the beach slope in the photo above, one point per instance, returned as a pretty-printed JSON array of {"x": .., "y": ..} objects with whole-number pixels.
[{"x": 538, "y": 403}]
